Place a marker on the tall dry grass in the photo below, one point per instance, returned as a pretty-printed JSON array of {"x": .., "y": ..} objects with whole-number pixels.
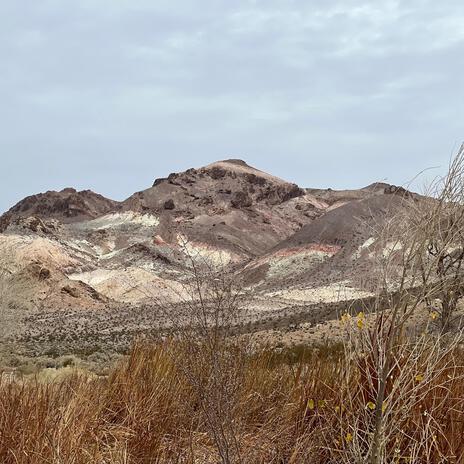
[{"x": 317, "y": 410}]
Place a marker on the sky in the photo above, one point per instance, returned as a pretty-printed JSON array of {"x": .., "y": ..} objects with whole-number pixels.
[{"x": 111, "y": 94}]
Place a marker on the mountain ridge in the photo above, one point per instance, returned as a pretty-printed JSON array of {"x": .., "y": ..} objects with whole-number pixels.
[
  {"x": 78, "y": 261},
  {"x": 276, "y": 236}
]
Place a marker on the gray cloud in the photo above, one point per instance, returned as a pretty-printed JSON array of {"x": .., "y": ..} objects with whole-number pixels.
[{"x": 109, "y": 95}]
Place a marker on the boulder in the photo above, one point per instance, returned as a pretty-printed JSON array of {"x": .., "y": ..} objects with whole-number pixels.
[
  {"x": 241, "y": 200},
  {"x": 169, "y": 204}
]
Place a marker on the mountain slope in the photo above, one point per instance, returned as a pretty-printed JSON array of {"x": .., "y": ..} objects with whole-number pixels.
[
  {"x": 228, "y": 204},
  {"x": 330, "y": 258}
]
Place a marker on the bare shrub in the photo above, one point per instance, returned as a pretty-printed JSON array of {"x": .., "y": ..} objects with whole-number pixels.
[
  {"x": 396, "y": 395},
  {"x": 204, "y": 322},
  {"x": 419, "y": 253}
]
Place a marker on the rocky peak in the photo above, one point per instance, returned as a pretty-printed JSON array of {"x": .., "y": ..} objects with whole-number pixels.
[
  {"x": 67, "y": 205},
  {"x": 227, "y": 184}
]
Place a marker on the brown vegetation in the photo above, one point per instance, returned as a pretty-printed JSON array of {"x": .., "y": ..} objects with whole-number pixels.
[{"x": 319, "y": 409}]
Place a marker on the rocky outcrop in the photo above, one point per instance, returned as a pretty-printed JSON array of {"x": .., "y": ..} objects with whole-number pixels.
[
  {"x": 241, "y": 200},
  {"x": 275, "y": 195},
  {"x": 243, "y": 197},
  {"x": 169, "y": 204},
  {"x": 395, "y": 190},
  {"x": 5, "y": 221},
  {"x": 68, "y": 205}
]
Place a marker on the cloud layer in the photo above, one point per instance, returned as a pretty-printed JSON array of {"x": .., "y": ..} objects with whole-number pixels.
[{"x": 108, "y": 95}]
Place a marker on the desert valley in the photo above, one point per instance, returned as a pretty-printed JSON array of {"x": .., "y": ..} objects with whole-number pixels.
[{"x": 87, "y": 274}]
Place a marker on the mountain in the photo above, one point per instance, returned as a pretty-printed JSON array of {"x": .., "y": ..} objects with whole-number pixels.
[
  {"x": 87, "y": 258},
  {"x": 67, "y": 206},
  {"x": 227, "y": 212},
  {"x": 228, "y": 204}
]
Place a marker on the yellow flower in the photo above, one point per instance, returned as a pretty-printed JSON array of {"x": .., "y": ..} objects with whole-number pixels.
[
  {"x": 348, "y": 437},
  {"x": 433, "y": 315},
  {"x": 310, "y": 405},
  {"x": 321, "y": 404},
  {"x": 345, "y": 317},
  {"x": 371, "y": 405},
  {"x": 419, "y": 378},
  {"x": 360, "y": 322}
]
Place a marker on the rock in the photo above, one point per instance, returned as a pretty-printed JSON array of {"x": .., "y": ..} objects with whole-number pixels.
[
  {"x": 38, "y": 271},
  {"x": 169, "y": 204},
  {"x": 68, "y": 205},
  {"x": 159, "y": 181},
  {"x": 158, "y": 240},
  {"x": 241, "y": 200},
  {"x": 44, "y": 274},
  {"x": 74, "y": 292},
  {"x": 394, "y": 190},
  {"x": 172, "y": 178},
  {"x": 217, "y": 173},
  {"x": 278, "y": 194},
  {"x": 255, "y": 180},
  {"x": 205, "y": 201},
  {"x": 5, "y": 221}
]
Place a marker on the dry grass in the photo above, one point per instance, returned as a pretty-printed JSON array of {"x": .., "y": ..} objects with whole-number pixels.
[{"x": 316, "y": 410}]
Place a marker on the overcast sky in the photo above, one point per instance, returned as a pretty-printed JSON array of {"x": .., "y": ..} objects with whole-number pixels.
[{"x": 111, "y": 94}]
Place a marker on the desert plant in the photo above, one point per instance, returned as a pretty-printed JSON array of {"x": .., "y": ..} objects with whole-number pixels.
[
  {"x": 442, "y": 222},
  {"x": 209, "y": 310},
  {"x": 315, "y": 410},
  {"x": 393, "y": 393},
  {"x": 418, "y": 251}
]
